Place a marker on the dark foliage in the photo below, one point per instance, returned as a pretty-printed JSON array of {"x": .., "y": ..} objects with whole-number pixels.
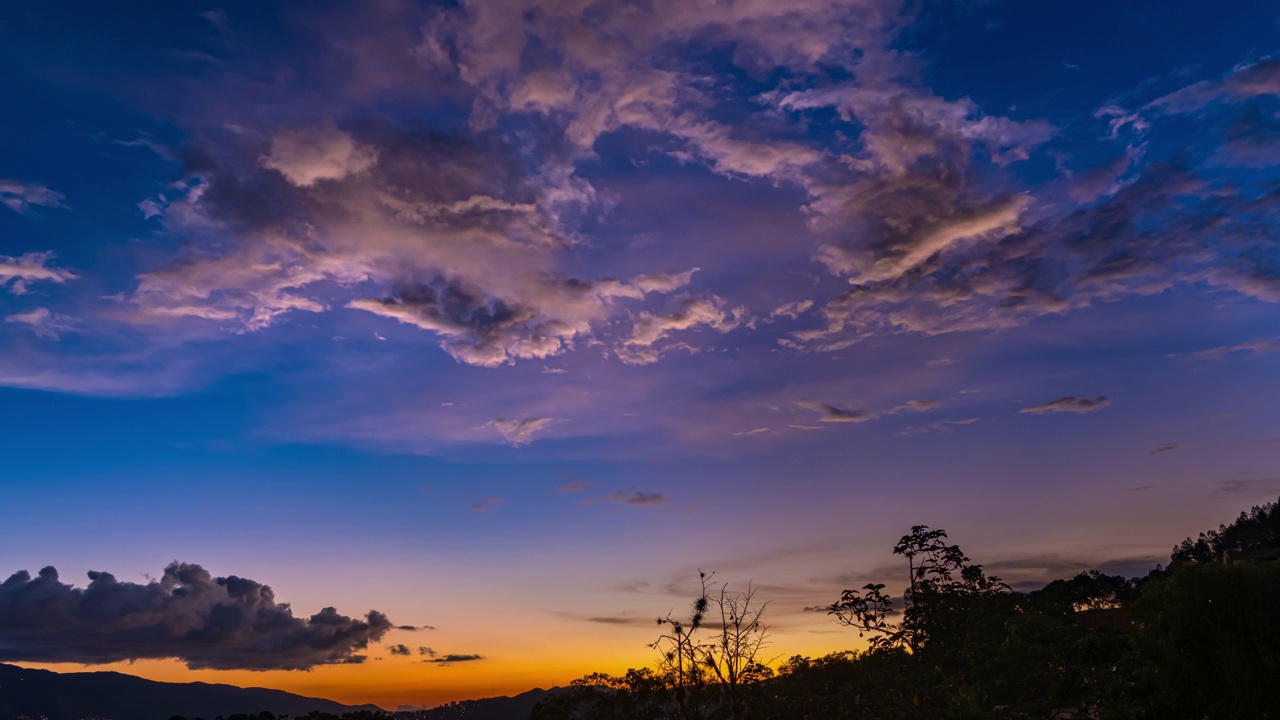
[
  {"x": 1253, "y": 535},
  {"x": 1199, "y": 641}
]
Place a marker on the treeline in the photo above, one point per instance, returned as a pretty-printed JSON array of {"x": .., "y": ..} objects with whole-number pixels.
[{"x": 1197, "y": 640}]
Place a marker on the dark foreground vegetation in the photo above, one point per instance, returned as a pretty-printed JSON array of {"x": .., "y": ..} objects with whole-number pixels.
[{"x": 1199, "y": 639}]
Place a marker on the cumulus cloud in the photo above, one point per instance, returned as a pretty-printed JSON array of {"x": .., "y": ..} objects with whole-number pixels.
[
  {"x": 1068, "y": 404},
  {"x": 399, "y": 649},
  {"x": 463, "y": 240},
  {"x": 205, "y": 622},
  {"x": 19, "y": 196},
  {"x": 521, "y": 431},
  {"x": 309, "y": 155}
]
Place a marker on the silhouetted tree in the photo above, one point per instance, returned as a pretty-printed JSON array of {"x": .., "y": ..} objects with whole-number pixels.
[
  {"x": 681, "y": 656},
  {"x": 1253, "y": 535},
  {"x": 733, "y": 655},
  {"x": 944, "y": 594}
]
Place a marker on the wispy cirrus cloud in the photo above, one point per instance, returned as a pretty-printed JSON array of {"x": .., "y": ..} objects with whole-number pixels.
[
  {"x": 19, "y": 196},
  {"x": 1068, "y": 404},
  {"x": 43, "y": 322},
  {"x": 17, "y": 273}
]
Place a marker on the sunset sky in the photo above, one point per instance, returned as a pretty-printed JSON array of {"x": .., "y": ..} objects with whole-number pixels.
[{"x": 500, "y": 318}]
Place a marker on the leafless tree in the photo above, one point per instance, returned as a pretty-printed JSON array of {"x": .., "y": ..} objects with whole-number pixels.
[{"x": 733, "y": 656}]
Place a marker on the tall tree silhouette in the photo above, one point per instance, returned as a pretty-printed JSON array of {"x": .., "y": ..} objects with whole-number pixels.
[{"x": 943, "y": 593}]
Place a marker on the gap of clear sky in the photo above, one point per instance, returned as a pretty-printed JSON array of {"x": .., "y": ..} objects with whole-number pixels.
[{"x": 502, "y": 317}]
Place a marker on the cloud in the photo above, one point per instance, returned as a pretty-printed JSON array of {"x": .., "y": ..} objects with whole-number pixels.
[
  {"x": 481, "y": 329},
  {"x": 916, "y": 406},
  {"x": 942, "y": 426},
  {"x": 520, "y": 432},
  {"x": 614, "y": 620},
  {"x": 1248, "y": 486},
  {"x": 220, "y": 623},
  {"x": 400, "y": 649},
  {"x": 641, "y": 348},
  {"x": 1243, "y": 82},
  {"x": 487, "y": 502},
  {"x": 43, "y": 322},
  {"x": 1167, "y": 447},
  {"x": 832, "y": 414},
  {"x": 453, "y": 658},
  {"x": 1034, "y": 571},
  {"x": 573, "y": 487},
  {"x": 638, "y": 499},
  {"x": 309, "y": 155},
  {"x": 1258, "y": 347},
  {"x": 29, "y": 268},
  {"x": 447, "y": 233},
  {"x": 19, "y": 196},
  {"x": 1068, "y": 404}
]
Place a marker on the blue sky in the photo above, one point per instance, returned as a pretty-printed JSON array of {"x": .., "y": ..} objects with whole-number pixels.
[{"x": 387, "y": 305}]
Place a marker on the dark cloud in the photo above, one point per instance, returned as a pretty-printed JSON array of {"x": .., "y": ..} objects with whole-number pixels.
[
  {"x": 1165, "y": 227},
  {"x": 429, "y": 652},
  {"x": 832, "y": 414},
  {"x": 638, "y": 498},
  {"x": 1068, "y": 404},
  {"x": 399, "y": 649},
  {"x": 1167, "y": 447},
  {"x": 1252, "y": 487},
  {"x": 453, "y": 658},
  {"x": 222, "y": 623},
  {"x": 620, "y": 620}
]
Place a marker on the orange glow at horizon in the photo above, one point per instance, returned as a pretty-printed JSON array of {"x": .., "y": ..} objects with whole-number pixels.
[{"x": 389, "y": 682}]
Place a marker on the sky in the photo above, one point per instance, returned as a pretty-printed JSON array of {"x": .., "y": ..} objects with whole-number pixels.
[{"x": 405, "y": 352}]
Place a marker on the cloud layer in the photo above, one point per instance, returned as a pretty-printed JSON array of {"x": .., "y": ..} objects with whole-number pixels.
[{"x": 205, "y": 622}]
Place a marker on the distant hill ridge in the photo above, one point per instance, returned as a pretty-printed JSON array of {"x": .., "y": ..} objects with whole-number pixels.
[{"x": 114, "y": 696}]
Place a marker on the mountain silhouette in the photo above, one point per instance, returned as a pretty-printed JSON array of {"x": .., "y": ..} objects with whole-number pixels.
[{"x": 111, "y": 695}]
